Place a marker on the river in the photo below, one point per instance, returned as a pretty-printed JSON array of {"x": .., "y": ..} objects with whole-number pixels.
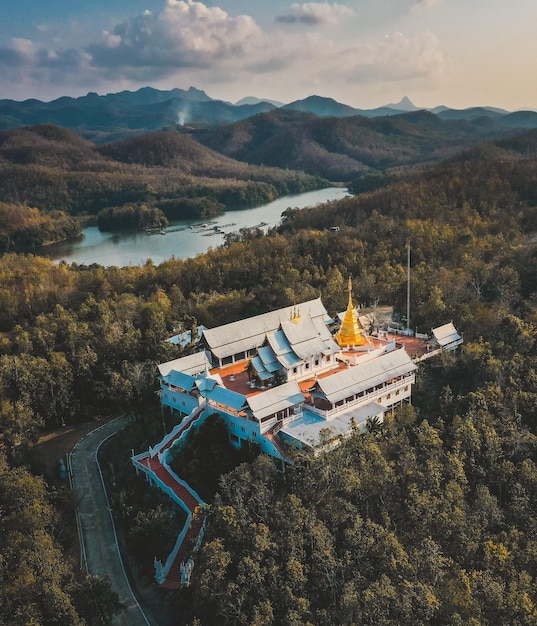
[{"x": 183, "y": 239}]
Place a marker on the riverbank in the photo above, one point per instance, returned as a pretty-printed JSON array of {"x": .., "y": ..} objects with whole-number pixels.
[{"x": 180, "y": 240}]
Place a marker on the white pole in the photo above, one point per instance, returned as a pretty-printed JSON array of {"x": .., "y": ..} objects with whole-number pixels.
[{"x": 408, "y": 284}]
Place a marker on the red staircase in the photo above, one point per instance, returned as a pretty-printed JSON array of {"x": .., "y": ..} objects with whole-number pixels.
[
  {"x": 276, "y": 442},
  {"x": 152, "y": 465},
  {"x": 174, "y": 577}
]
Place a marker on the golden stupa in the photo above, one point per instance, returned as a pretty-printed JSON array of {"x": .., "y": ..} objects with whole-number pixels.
[{"x": 351, "y": 333}]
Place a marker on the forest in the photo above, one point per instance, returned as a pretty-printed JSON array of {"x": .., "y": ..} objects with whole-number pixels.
[
  {"x": 52, "y": 181},
  {"x": 429, "y": 519}
]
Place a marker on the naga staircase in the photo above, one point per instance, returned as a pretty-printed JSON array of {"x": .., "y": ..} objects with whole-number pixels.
[{"x": 175, "y": 572}]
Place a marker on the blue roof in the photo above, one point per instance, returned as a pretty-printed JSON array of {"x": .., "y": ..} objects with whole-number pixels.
[
  {"x": 226, "y": 397},
  {"x": 269, "y": 359},
  {"x": 280, "y": 343},
  {"x": 289, "y": 360},
  {"x": 259, "y": 367},
  {"x": 178, "y": 379}
]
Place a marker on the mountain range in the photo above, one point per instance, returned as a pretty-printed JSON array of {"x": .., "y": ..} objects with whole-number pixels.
[{"x": 104, "y": 118}]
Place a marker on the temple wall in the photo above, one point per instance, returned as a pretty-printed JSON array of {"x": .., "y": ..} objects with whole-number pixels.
[{"x": 178, "y": 401}]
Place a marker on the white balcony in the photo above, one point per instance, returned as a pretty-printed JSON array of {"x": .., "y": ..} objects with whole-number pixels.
[{"x": 372, "y": 395}]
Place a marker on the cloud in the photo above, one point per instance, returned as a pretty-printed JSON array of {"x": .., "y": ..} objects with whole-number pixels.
[
  {"x": 425, "y": 3},
  {"x": 183, "y": 35},
  {"x": 315, "y": 14},
  {"x": 396, "y": 57},
  {"x": 188, "y": 42},
  {"x": 25, "y": 63}
]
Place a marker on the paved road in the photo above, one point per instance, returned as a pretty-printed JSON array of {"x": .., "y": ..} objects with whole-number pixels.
[{"x": 98, "y": 542}]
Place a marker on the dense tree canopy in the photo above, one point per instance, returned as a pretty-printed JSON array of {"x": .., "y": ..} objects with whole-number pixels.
[
  {"x": 430, "y": 520},
  {"x": 420, "y": 524},
  {"x": 48, "y": 174}
]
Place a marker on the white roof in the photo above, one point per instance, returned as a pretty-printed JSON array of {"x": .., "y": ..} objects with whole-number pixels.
[
  {"x": 193, "y": 364},
  {"x": 446, "y": 334},
  {"x": 250, "y": 333},
  {"x": 275, "y": 399},
  {"x": 306, "y": 340},
  {"x": 309, "y": 429},
  {"x": 365, "y": 375}
]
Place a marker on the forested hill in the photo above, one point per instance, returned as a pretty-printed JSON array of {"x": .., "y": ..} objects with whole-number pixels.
[
  {"x": 429, "y": 520},
  {"x": 342, "y": 148},
  {"x": 140, "y": 181}
]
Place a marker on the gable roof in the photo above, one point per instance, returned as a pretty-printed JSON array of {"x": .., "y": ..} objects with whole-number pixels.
[
  {"x": 250, "y": 333},
  {"x": 306, "y": 340},
  {"x": 226, "y": 397},
  {"x": 365, "y": 375},
  {"x": 275, "y": 399},
  {"x": 193, "y": 364},
  {"x": 181, "y": 380},
  {"x": 446, "y": 334}
]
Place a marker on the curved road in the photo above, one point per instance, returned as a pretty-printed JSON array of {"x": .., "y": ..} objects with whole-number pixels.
[{"x": 98, "y": 542}]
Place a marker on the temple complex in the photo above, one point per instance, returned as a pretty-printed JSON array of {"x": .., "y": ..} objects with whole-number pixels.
[{"x": 284, "y": 380}]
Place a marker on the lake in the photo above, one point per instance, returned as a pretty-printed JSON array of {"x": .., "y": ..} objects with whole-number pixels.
[{"x": 183, "y": 239}]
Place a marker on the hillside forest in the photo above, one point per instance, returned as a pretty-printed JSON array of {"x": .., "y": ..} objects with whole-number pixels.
[
  {"x": 52, "y": 182},
  {"x": 429, "y": 519}
]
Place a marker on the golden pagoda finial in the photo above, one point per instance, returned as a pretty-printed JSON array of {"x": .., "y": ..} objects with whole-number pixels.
[{"x": 351, "y": 333}]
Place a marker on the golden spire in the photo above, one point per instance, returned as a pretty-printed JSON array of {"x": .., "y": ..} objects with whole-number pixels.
[
  {"x": 351, "y": 333},
  {"x": 295, "y": 315}
]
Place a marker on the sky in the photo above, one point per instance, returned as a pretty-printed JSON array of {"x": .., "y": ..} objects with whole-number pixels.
[{"x": 364, "y": 53}]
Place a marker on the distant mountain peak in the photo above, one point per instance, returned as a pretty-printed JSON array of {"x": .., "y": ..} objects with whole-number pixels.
[
  {"x": 253, "y": 100},
  {"x": 405, "y": 104},
  {"x": 322, "y": 106}
]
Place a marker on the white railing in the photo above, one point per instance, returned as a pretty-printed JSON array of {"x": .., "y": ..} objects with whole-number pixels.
[
  {"x": 267, "y": 427},
  {"x": 447, "y": 348},
  {"x": 365, "y": 399},
  {"x": 407, "y": 332},
  {"x": 162, "y": 570},
  {"x": 427, "y": 355},
  {"x": 179, "y": 431}
]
